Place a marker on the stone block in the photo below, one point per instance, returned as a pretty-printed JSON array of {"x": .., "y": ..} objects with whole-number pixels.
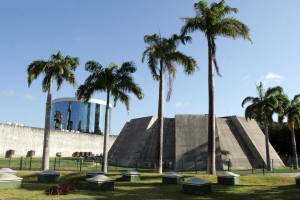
[
  {"x": 48, "y": 176},
  {"x": 228, "y": 178},
  {"x": 101, "y": 182},
  {"x": 131, "y": 176},
  {"x": 196, "y": 186},
  {"x": 9, "y": 181},
  {"x": 297, "y": 181},
  {"x": 93, "y": 173},
  {"x": 172, "y": 178},
  {"x": 7, "y": 171}
]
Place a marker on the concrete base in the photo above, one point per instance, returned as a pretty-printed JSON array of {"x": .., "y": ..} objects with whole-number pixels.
[
  {"x": 196, "y": 186},
  {"x": 93, "y": 173},
  {"x": 9, "y": 181},
  {"x": 42, "y": 178},
  {"x": 228, "y": 180},
  {"x": 298, "y": 181},
  {"x": 105, "y": 186},
  {"x": 131, "y": 178},
  {"x": 172, "y": 180},
  {"x": 10, "y": 184}
]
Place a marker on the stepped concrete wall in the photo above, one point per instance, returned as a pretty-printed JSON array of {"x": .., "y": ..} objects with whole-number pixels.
[
  {"x": 23, "y": 139},
  {"x": 239, "y": 143}
]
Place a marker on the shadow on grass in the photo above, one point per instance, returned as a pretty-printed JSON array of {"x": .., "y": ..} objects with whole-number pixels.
[{"x": 150, "y": 187}]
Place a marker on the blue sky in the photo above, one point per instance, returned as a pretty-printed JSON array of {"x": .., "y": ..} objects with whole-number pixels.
[{"x": 112, "y": 31}]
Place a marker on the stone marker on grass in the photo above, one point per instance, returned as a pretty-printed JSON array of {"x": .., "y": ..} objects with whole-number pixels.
[
  {"x": 48, "y": 176},
  {"x": 9, "y": 181},
  {"x": 297, "y": 181},
  {"x": 101, "y": 182},
  {"x": 172, "y": 178},
  {"x": 91, "y": 174},
  {"x": 228, "y": 178},
  {"x": 7, "y": 171},
  {"x": 131, "y": 176},
  {"x": 196, "y": 186}
]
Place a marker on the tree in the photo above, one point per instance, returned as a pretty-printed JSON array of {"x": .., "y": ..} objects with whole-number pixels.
[
  {"x": 213, "y": 21},
  {"x": 262, "y": 108},
  {"x": 292, "y": 113},
  {"x": 117, "y": 82},
  {"x": 162, "y": 56},
  {"x": 58, "y": 68}
]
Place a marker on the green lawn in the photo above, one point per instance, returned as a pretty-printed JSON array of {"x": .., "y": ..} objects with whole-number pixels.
[{"x": 252, "y": 187}]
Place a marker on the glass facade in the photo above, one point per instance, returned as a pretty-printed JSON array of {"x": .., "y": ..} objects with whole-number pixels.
[{"x": 70, "y": 114}]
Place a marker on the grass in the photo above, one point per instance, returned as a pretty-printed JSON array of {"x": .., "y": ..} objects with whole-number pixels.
[{"x": 150, "y": 187}]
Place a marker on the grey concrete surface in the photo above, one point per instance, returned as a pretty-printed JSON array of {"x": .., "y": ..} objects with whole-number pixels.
[
  {"x": 185, "y": 143},
  {"x": 23, "y": 139}
]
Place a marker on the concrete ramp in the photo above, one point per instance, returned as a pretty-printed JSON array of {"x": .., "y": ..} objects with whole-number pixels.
[
  {"x": 254, "y": 138},
  {"x": 230, "y": 149},
  {"x": 131, "y": 141}
]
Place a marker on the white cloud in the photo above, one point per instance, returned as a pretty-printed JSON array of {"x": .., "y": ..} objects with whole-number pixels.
[
  {"x": 8, "y": 93},
  {"x": 272, "y": 79},
  {"x": 29, "y": 97},
  {"x": 184, "y": 104},
  {"x": 12, "y": 93},
  {"x": 246, "y": 77}
]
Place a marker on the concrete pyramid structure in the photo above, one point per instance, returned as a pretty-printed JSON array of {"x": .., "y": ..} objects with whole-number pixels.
[{"x": 239, "y": 143}]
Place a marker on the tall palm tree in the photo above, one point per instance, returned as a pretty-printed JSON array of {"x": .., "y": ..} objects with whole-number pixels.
[
  {"x": 262, "y": 108},
  {"x": 162, "y": 56},
  {"x": 213, "y": 21},
  {"x": 292, "y": 112},
  {"x": 117, "y": 82},
  {"x": 58, "y": 68}
]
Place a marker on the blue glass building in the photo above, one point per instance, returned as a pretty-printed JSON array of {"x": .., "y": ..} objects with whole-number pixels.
[{"x": 74, "y": 115}]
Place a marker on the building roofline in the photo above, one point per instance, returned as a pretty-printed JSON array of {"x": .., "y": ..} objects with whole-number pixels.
[{"x": 74, "y": 99}]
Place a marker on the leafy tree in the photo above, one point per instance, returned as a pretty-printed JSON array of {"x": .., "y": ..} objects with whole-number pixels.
[
  {"x": 162, "y": 56},
  {"x": 262, "y": 108},
  {"x": 117, "y": 82},
  {"x": 58, "y": 68},
  {"x": 213, "y": 21},
  {"x": 292, "y": 113}
]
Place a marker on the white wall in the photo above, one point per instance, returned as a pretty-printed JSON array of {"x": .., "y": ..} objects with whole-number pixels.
[{"x": 24, "y": 139}]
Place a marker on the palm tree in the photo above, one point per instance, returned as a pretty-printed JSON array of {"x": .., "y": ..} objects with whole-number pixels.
[
  {"x": 213, "y": 21},
  {"x": 262, "y": 108},
  {"x": 292, "y": 112},
  {"x": 58, "y": 68},
  {"x": 117, "y": 82},
  {"x": 162, "y": 56}
]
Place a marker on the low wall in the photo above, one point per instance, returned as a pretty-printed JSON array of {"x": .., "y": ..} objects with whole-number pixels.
[{"x": 23, "y": 139}]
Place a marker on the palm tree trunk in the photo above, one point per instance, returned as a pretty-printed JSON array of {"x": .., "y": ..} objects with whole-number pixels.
[
  {"x": 45, "y": 159},
  {"x": 211, "y": 162},
  {"x": 266, "y": 131},
  {"x": 161, "y": 118},
  {"x": 294, "y": 145},
  {"x": 106, "y": 134}
]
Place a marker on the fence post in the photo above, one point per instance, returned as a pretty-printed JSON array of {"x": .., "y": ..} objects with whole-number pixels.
[
  {"x": 196, "y": 166},
  {"x": 264, "y": 169},
  {"x": 59, "y": 163},
  {"x": 9, "y": 162},
  {"x": 54, "y": 167},
  {"x": 80, "y": 165},
  {"x": 272, "y": 165},
  {"x": 30, "y": 162},
  {"x": 21, "y": 163}
]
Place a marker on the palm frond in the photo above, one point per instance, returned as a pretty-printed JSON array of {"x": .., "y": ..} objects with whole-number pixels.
[{"x": 274, "y": 91}]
